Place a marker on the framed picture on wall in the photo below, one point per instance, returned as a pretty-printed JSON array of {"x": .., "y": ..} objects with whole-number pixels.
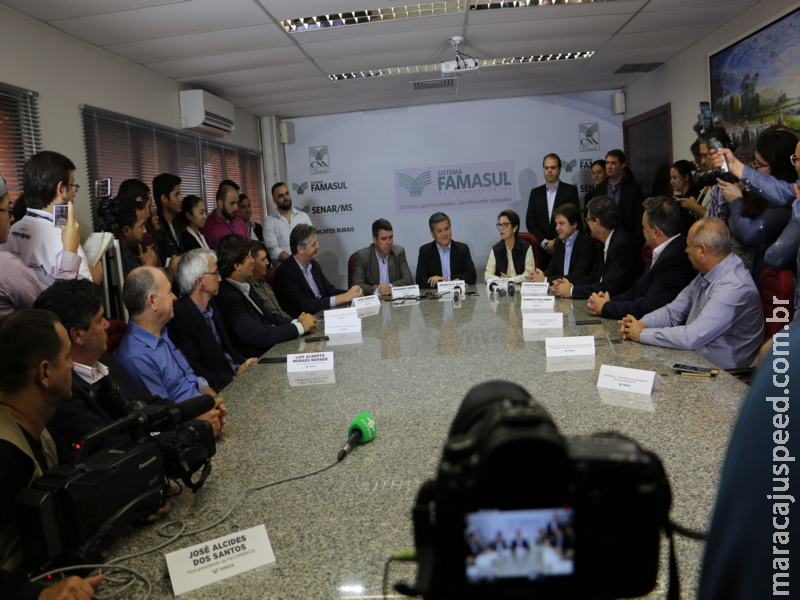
[{"x": 755, "y": 82}]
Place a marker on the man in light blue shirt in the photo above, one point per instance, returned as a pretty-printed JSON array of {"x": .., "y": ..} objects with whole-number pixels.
[
  {"x": 718, "y": 314},
  {"x": 146, "y": 352}
]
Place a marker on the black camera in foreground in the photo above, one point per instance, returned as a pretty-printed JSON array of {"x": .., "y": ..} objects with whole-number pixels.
[
  {"x": 75, "y": 511},
  {"x": 518, "y": 510}
]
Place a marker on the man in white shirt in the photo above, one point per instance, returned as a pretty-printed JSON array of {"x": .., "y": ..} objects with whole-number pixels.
[
  {"x": 280, "y": 223},
  {"x": 35, "y": 240}
]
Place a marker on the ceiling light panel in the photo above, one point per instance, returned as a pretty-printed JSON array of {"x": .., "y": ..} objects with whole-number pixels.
[{"x": 489, "y": 62}]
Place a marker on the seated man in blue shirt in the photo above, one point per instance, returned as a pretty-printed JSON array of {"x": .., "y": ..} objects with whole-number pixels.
[
  {"x": 718, "y": 314},
  {"x": 444, "y": 259},
  {"x": 146, "y": 352}
]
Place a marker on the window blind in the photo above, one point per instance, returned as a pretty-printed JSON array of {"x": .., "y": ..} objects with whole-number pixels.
[
  {"x": 122, "y": 147},
  {"x": 20, "y": 136}
]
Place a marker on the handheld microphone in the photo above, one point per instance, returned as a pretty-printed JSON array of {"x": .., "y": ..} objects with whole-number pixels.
[
  {"x": 456, "y": 295},
  {"x": 361, "y": 431},
  {"x": 512, "y": 288},
  {"x": 492, "y": 287}
]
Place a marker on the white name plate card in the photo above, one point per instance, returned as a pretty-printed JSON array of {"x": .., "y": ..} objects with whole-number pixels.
[
  {"x": 557, "y": 364},
  {"x": 368, "y": 311},
  {"x": 543, "y": 321},
  {"x": 366, "y": 301},
  {"x": 345, "y": 320},
  {"x": 197, "y": 566},
  {"x": 538, "y": 303},
  {"x": 628, "y": 400},
  {"x": 581, "y": 345},
  {"x": 442, "y": 287},
  {"x": 341, "y": 339},
  {"x": 311, "y": 378},
  {"x": 532, "y": 288},
  {"x": 627, "y": 380},
  {"x": 405, "y": 291},
  {"x": 310, "y": 361}
]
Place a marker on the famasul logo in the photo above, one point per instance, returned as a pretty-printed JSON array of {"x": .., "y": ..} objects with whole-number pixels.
[
  {"x": 414, "y": 186},
  {"x": 318, "y": 160},
  {"x": 570, "y": 165},
  {"x": 589, "y": 138},
  {"x": 299, "y": 189}
]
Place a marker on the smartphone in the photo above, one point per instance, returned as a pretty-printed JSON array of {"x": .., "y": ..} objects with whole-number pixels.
[
  {"x": 60, "y": 215},
  {"x": 271, "y": 359},
  {"x": 102, "y": 187},
  {"x": 707, "y": 116},
  {"x": 319, "y": 338},
  {"x": 588, "y": 322},
  {"x": 697, "y": 371}
]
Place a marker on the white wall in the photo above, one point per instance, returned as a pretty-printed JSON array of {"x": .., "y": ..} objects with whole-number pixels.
[
  {"x": 366, "y": 149},
  {"x": 683, "y": 81},
  {"x": 67, "y": 72}
]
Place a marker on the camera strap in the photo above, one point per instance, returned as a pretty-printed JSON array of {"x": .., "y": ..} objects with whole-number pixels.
[{"x": 674, "y": 591}]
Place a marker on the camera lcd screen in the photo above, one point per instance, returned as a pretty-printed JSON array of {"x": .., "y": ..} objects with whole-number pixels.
[{"x": 519, "y": 544}]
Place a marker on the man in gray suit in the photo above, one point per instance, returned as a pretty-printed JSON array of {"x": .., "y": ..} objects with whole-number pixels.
[{"x": 383, "y": 265}]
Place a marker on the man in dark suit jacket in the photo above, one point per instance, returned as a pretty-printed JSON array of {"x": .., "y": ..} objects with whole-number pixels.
[
  {"x": 667, "y": 274},
  {"x": 252, "y": 328},
  {"x": 382, "y": 251},
  {"x": 572, "y": 237},
  {"x": 197, "y": 327},
  {"x": 618, "y": 263},
  {"x": 459, "y": 266},
  {"x": 626, "y": 194},
  {"x": 544, "y": 200},
  {"x": 300, "y": 285}
]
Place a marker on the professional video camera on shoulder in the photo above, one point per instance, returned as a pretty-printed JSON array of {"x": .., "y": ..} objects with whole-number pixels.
[
  {"x": 518, "y": 510},
  {"x": 74, "y": 511},
  {"x": 709, "y": 129}
]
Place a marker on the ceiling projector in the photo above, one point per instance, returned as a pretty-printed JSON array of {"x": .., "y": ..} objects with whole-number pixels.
[{"x": 459, "y": 68}]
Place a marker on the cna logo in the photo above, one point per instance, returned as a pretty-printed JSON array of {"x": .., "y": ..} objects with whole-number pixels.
[
  {"x": 300, "y": 189},
  {"x": 570, "y": 165},
  {"x": 318, "y": 159},
  {"x": 414, "y": 186},
  {"x": 589, "y": 137}
]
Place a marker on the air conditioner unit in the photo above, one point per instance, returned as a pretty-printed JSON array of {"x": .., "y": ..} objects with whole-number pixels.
[{"x": 205, "y": 113}]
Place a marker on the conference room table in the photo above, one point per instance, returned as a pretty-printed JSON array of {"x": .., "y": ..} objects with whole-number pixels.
[{"x": 410, "y": 367}]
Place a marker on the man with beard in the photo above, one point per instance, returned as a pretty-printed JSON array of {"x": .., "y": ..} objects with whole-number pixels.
[
  {"x": 279, "y": 225},
  {"x": 224, "y": 220}
]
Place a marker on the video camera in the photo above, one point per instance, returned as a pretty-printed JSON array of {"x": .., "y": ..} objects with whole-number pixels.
[
  {"x": 518, "y": 510},
  {"x": 74, "y": 511},
  {"x": 704, "y": 128}
]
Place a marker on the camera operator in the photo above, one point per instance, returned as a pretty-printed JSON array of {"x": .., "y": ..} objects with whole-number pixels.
[{"x": 35, "y": 376}]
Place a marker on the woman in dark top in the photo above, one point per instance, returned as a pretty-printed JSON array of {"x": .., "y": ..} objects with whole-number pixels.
[
  {"x": 511, "y": 256},
  {"x": 193, "y": 215},
  {"x": 680, "y": 178}
]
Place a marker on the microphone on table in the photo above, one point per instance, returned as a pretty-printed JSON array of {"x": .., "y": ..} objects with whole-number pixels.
[
  {"x": 361, "y": 431},
  {"x": 494, "y": 287},
  {"x": 512, "y": 288}
]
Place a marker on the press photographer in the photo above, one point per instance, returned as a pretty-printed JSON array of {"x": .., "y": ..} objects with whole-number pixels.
[{"x": 35, "y": 375}]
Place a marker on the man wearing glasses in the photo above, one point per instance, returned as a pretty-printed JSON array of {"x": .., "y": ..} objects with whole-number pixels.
[
  {"x": 543, "y": 200},
  {"x": 618, "y": 263},
  {"x": 36, "y": 239}
]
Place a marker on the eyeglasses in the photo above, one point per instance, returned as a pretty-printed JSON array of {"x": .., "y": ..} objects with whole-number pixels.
[
  {"x": 7, "y": 210},
  {"x": 503, "y": 225},
  {"x": 794, "y": 158},
  {"x": 212, "y": 273},
  {"x": 757, "y": 165}
]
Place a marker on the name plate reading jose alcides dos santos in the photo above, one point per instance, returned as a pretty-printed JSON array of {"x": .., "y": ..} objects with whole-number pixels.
[
  {"x": 627, "y": 380},
  {"x": 219, "y": 559},
  {"x": 311, "y": 361}
]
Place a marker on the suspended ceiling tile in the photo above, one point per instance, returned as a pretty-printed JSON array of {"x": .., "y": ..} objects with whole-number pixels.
[
  {"x": 676, "y": 19},
  {"x": 535, "y": 47},
  {"x": 642, "y": 55},
  {"x": 548, "y": 28},
  {"x": 223, "y": 41},
  {"x": 292, "y": 87},
  {"x": 567, "y": 11},
  {"x": 240, "y": 61},
  {"x": 49, "y": 10},
  {"x": 435, "y": 40},
  {"x": 635, "y": 41},
  {"x": 656, "y": 5},
  {"x": 252, "y": 77},
  {"x": 163, "y": 21},
  {"x": 292, "y": 9},
  {"x": 454, "y": 22}
]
